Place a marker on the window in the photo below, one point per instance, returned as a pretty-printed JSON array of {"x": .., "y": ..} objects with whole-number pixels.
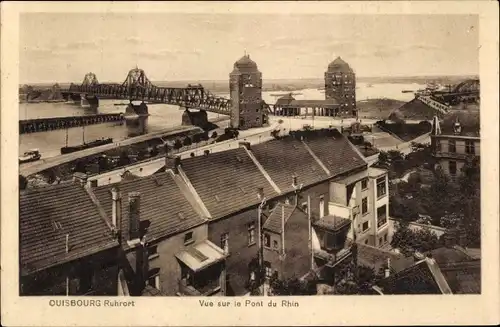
[
  {"x": 470, "y": 147},
  {"x": 381, "y": 215},
  {"x": 366, "y": 241},
  {"x": 275, "y": 244},
  {"x": 366, "y": 225},
  {"x": 381, "y": 187},
  {"x": 452, "y": 166},
  {"x": 269, "y": 271},
  {"x": 364, "y": 184},
  {"x": 153, "y": 252},
  {"x": 188, "y": 238},
  {"x": 154, "y": 278},
  {"x": 267, "y": 240},
  {"x": 224, "y": 242},
  {"x": 321, "y": 206},
  {"x": 452, "y": 147},
  {"x": 438, "y": 145},
  {"x": 364, "y": 206},
  {"x": 251, "y": 233},
  {"x": 304, "y": 207}
]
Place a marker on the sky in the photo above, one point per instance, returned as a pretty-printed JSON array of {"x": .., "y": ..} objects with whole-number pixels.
[{"x": 64, "y": 47}]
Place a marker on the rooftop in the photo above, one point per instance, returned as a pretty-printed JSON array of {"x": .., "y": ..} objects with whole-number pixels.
[
  {"x": 163, "y": 203},
  {"x": 285, "y": 158},
  {"x": 226, "y": 181},
  {"x": 332, "y": 222},
  {"x": 274, "y": 221},
  {"x": 461, "y": 122},
  {"x": 47, "y": 215},
  {"x": 424, "y": 277},
  {"x": 339, "y": 65}
]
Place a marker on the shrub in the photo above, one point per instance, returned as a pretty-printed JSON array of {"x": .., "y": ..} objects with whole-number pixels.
[{"x": 214, "y": 135}]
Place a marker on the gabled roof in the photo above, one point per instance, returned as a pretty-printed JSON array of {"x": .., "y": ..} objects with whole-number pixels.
[
  {"x": 282, "y": 159},
  {"x": 424, "y": 277},
  {"x": 163, "y": 203},
  {"x": 47, "y": 215},
  {"x": 226, "y": 181},
  {"x": 274, "y": 221},
  {"x": 376, "y": 258},
  {"x": 335, "y": 152},
  {"x": 463, "y": 277}
]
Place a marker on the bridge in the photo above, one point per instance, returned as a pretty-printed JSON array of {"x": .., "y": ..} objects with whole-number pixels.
[
  {"x": 137, "y": 87},
  {"x": 49, "y": 124}
]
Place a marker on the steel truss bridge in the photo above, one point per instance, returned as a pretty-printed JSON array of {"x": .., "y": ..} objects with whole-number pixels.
[{"x": 137, "y": 87}]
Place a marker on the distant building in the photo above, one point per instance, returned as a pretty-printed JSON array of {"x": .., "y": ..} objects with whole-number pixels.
[
  {"x": 456, "y": 140},
  {"x": 245, "y": 87},
  {"x": 340, "y": 84}
]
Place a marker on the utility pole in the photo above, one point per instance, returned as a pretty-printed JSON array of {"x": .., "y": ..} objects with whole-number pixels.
[{"x": 262, "y": 198}]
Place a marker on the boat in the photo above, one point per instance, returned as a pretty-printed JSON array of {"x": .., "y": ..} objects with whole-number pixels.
[
  {"x": 69, "y": 149},
  {"x": 29, "y": 156},
  {"x": 407, "y": 91},
  {"x": 93, "y": 144}
]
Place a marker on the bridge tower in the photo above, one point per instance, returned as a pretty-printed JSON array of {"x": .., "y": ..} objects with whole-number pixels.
[
  {"x": 340, "y": 84},
  {"x": 245, "y": 86}
]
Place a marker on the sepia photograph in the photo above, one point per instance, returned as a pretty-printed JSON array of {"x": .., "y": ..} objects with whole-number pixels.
[{"x": 254, "y": 155}]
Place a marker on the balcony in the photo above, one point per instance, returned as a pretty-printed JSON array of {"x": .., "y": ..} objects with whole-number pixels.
[{"x": 202, "y": 289}]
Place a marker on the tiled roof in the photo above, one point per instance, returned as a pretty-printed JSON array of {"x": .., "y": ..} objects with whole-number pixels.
[
  {"x": 463, "y": 277},
  {"x": 468, "y": 120},
  {"x": 273, "y": 222},
  {"x": 282, "y": 159},
  {"x": 335, "y": 152},
  {"x": 376, "y": 258},
  {"x": 424, "y": 277},
  {"x": 226, "y": 181},
  {"x": 162, "y": 203},
  {"x": 332, "y": 222},
  {"x": 446, "y": 255},
  {"x": 47, "y": 215}
]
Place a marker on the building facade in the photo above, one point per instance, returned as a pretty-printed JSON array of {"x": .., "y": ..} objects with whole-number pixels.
[
  {"x": 456, "y": 141},
  {"x": 245, "y": 87},
  {"x": 340, "y": 84}
]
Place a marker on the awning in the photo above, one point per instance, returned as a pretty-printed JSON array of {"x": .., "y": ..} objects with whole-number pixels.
[{"x": 201, "y": 255}]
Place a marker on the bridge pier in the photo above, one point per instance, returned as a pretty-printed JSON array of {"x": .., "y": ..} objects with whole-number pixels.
[
  {"x": 140, "y": 110},
  {"x": 89, "y": 101},
  {"x": 195, "y": 118}
]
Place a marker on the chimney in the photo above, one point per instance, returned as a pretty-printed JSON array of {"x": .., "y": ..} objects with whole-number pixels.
[
  {"x": 260, "y": 193},
  {"x": 387, "y": 271},
  {"x": 141, "y": 265},
  {"x": 283, "y": 229},
  {"x": 244, "y": 145},
  {"x": 172, "y": 162},
  {"x": 80, "y": 178},
  {"x": 134, "y": 215},
  {"x": 116, "y": 213}
]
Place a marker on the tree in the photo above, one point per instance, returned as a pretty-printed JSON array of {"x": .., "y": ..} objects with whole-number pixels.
[
  {"x": 291, "y": 286},
  {"x": 177, "y": 144},
  {"x": 409, "y": 241}
]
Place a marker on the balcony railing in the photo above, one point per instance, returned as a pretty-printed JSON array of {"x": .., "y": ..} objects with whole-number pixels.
[{"x": 208, "y": 289}]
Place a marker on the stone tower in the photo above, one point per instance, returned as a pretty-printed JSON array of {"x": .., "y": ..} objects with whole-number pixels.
[
  {"x": 245, "y": 87},
  {"x": 340, "y": 84}
]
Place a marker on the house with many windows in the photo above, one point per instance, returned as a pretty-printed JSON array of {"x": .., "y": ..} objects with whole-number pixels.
[{"x": 456, "y": 140}]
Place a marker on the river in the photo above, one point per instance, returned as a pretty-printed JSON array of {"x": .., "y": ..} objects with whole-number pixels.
[{"x": 161, "y": 116}]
